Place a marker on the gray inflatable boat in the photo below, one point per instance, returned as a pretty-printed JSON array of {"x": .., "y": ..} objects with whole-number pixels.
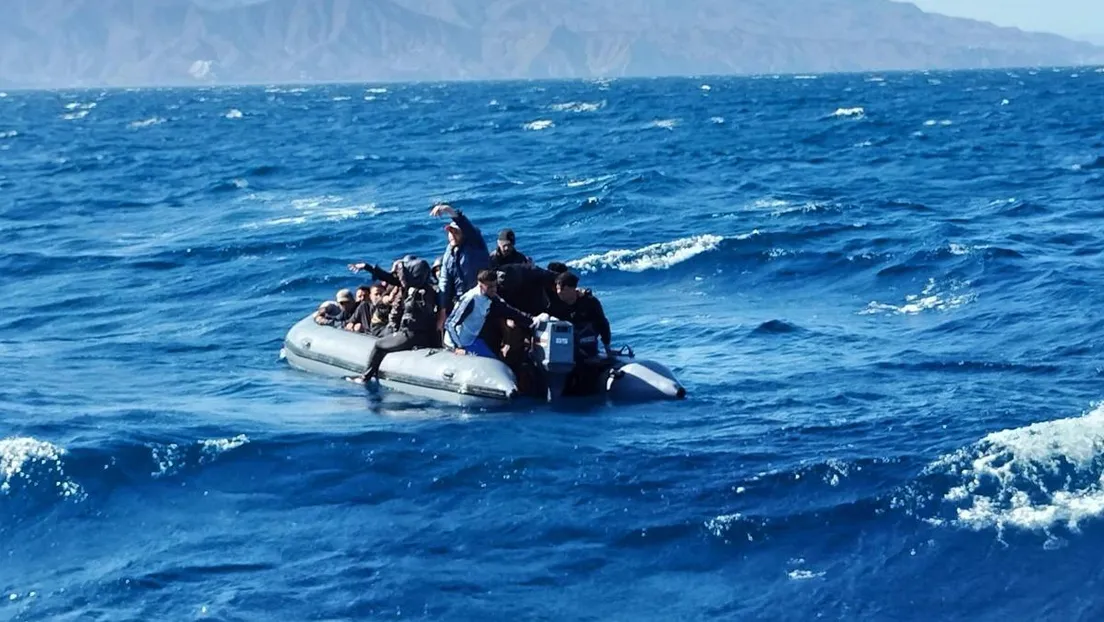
[{"x": 472, "y": 381}]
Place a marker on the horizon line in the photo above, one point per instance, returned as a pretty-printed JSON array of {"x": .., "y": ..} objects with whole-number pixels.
[{"x": 195, "y": 84}]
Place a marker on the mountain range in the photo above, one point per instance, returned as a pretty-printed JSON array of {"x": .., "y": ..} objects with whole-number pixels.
[{"x": 57, "y": 43}]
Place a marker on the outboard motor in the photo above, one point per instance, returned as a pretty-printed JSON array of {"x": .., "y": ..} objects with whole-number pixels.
[{"x": 554, "y": 346}]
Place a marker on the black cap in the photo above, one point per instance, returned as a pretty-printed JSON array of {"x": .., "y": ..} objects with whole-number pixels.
[{"x": 506, "y": 234}]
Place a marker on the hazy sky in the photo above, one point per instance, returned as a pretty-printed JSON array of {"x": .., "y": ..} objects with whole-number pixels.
[{"x": 1065, "y": 17}]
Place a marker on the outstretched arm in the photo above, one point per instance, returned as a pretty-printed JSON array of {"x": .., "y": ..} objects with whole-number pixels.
[
  {"x": 505, "y": 310},
  {"x": 471, "y": 234},
  {"x": 377, "y": 273}
]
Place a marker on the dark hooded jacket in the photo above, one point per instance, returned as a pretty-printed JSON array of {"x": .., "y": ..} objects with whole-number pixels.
[
  {"x": 528, "y": 288},
  {"x": 415, "y": 311}
]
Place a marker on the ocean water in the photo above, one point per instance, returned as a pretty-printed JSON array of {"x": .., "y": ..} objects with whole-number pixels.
[{"x": 881, "y": 290}]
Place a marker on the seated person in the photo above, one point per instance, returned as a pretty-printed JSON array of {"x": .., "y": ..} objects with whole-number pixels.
[
  {"x": 328, "y": 314},
  {"x": 373, "y": 312},
  {"x": 472, "y": 322},
  {"x": 348, "y": 304}
]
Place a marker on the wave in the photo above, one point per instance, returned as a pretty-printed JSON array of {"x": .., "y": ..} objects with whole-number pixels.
[
  {"x": 27, "y": 462},
  {"x": 541, "y": 124},
  {"x": 578, "y": 106},
  {"x": 1035, "y": 478},
  {"x": 146, "y": 123},
  {"x": 234, "y": 113},
  {"x": 857, "y": 112},
  {"x": 934, "y": 297},
  {"x": 38, "y": 471},
  {"x": 777, "y": 327},
  {"x": 322, "y": 208},
  {"x": 659, "y": 256}
]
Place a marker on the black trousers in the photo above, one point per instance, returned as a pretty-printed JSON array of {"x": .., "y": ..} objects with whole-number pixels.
[
  {"x": 396, "y": 342},
  {"x": 588, "y": 378}
]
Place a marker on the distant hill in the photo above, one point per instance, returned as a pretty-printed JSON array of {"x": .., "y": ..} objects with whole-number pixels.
[{"x": 126, "y": 42}]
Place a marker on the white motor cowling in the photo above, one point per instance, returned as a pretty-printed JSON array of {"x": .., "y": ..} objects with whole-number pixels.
[{"x": 554, "y": 346}]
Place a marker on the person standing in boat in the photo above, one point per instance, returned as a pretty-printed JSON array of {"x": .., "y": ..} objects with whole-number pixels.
[
  {"x": 461, "y": 262},
  {"x": 506, "y": 253},
  {"x": 412, "y": 316},
  {"x": 471, "y": 327}
]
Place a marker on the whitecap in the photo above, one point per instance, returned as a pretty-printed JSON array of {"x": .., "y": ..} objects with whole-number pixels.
[
  {"x": 9, "y": 134},
  {"x": 933, "y": 298},
  {"x": 657, "y": 256},
  {"x": 578, "y": 183},
  {"x": 146, "y": 123},
  {"x": 30, "y": 461},
  {"x": 342, "y": 98},
  {"x": 1033, "y": 478},
  {"x": 779, "y": 207},
  {"x": 216, "y": 446},
  {"x": 804, "y": 575},
  {"x": 1005, "y": 102},
  {"x": 234, "y": 114},
  {"x": 933, "y": 122},
  {"x": 578, "y": 106},
  {"x": 706, "y": 87},
  {"x": 73, "y": 116},
  {"x": 717, "y": 120},
  {"x": 806, "y": 77},
  {"x": 376, "y": 90},
  {"x": 667, "y": 124},
  {"x": 541, "y": 124},
  {"x": 328, "y": 208},
  {"x": 857, "y": 112},
  {"x": 3, "y": 95},
  {"x": 720, "y": 525}
]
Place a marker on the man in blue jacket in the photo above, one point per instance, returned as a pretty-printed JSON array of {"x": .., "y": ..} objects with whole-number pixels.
[{"x": 464, "y": 258}]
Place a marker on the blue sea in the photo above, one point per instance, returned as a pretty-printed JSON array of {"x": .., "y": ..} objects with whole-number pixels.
[{"x": 882, "y": 292}]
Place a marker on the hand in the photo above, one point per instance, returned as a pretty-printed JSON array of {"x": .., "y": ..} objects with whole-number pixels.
[
  {"x": 543, "y": 317},
  {"x": 357, "y": 267},
  {"x": 443, "y": 208}
]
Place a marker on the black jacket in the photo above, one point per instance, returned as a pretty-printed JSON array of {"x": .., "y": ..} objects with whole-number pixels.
[
  {"x": 589, "y": 320},
  {"x": 372, "y": 318},
  {"x": 415, "y": 310},
  {"x": 529, "y": 288},
  {"x": 499, "y": 259}
]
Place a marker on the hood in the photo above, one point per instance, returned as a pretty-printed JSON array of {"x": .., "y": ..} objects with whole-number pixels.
[{"x": 414, "y": 272}]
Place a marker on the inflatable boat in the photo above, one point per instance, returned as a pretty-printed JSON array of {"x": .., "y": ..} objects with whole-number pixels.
[{"x": 473, "y": 381}]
